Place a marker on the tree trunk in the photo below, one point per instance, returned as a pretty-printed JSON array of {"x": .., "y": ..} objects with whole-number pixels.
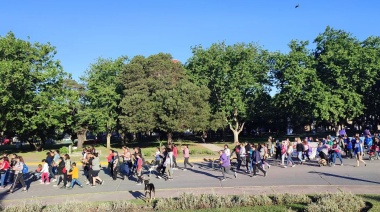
[
  {"x": 109, "y": 140},
  {"x": 236, "y": 131},
  {"x": 170, "y": 138},
  {"x": 81, "y": 138}
]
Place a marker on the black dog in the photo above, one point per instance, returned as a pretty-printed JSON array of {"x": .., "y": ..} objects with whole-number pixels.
[{"x": 149, "y": 188}]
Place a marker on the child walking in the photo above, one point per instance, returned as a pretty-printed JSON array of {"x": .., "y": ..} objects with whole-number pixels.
[
  {"x": 45, "y": 173},
  {"x": 74, "y": 176}
]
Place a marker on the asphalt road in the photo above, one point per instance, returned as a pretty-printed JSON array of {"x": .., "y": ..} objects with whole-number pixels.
[{"x": 308, "y": 178}]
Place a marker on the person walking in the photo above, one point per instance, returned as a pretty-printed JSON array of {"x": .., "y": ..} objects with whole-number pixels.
[
  {"x": 45, "y": 172},
  {"x": 289, "y": 153},
  {"x": 175, "y": 156},
  {"x": 60, "y": 175},
  {"x": 95, "y": 169},
  {"x": 256, "y": 162},
  {"x": 359, "y": 151},
  {"x": 74, "y": 176},
  {"x": 225, "y": 165},
  {"x": 4, "y": 170},
  {"x": 19, "y": 176},
  {"x": 300, "y": 149},
  {"x": 186, "y": 155}
]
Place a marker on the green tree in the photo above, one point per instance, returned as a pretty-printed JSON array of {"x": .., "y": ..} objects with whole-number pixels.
[
  {"x": 345, "y": 67},
  {"x": 235, "y": 75},
  {"x": 103, "y": 95},
  {"x": 158, "y": 95},
  {"x": 33, "y": 102}
]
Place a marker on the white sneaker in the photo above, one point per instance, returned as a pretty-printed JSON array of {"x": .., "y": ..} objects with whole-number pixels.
[
  {"x": 54, "y": 180},
  {"x": 184, "y": 169},
  {"x": 235, "y": 174},
  {"x": 293, "y": 166},
  {"x": 55, "y": 185},
  {"x": 42, "y": 183},
  {"x": 47, "y": 183},
  {"x": 285, "y": 167}
]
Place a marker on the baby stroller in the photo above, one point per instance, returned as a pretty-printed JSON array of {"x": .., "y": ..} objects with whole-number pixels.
[
  {"x": 323, "y": 159},
  {"x": 373, "y": 152}
]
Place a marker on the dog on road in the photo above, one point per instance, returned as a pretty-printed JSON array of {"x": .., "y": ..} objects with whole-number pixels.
[{"x": 149, "y": 189}]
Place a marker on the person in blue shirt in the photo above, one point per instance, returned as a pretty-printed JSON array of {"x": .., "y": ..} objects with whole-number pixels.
[
  {"x": 359, "y": 151},
  {"x": 348, "y": 146},
  {"x": 368, "y": 141},
  {"x": 256, "y": 162}
]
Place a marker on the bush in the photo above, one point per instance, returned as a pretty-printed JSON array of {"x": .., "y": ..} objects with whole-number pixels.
[
  {"x": 341, "y": 201},
  {"x": 284, "y": 199},
  {"x": 34, "y": 206},
  {"x": 64, "y": 150}
]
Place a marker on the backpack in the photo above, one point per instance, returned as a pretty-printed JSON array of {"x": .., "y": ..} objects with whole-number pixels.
[{"x": 25, "y": 169}]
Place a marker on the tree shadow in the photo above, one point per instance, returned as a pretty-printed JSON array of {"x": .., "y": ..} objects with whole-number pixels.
[{"x": 344, "y": 177}]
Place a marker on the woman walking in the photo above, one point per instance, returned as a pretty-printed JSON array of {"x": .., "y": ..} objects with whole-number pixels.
[
  {"x": 19, "y": 176},
  {"x": 95, "y": 169},
  {"x": 4, "y": 170},
  {"x": 186, "y": 155},
  {"x": 359, "y": 151}
]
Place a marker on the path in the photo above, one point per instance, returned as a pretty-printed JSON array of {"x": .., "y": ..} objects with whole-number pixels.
[
  {"x": 211, "y": 147},
  {"x": 308, "y": 178}
]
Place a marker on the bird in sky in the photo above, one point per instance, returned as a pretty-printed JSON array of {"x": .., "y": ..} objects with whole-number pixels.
[{"x": 297, "y": 6}]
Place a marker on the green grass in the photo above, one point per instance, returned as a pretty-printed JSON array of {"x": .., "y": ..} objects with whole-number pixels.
[{"x": 374, "y": 200}]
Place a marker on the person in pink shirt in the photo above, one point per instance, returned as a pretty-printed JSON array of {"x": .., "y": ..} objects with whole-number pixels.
[
  {"x": 139, "y": 169},
  {"x": 186, "y": 155},
  {"x": 175, "y": 155}
]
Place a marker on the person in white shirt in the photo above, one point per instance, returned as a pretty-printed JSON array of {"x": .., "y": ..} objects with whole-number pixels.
[
  {"x": 227, "y": 151},
  {"x": 45, "y": 173}
]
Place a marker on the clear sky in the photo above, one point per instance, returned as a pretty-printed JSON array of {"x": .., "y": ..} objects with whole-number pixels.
[{"x": 85, "y": 30}]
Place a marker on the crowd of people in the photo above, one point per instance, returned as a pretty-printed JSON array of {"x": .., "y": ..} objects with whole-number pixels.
[
  {"x": 59, "y": 170},
  {"x": 289, "y": 153}
]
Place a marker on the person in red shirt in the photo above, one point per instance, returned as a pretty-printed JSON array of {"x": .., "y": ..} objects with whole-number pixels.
[
  {"x": 110, "y": 162},
  {"x": 4, "y": 170}
]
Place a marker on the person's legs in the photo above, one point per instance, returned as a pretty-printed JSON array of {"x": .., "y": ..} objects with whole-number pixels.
[
  {"x": 65, "y": 179},
  {"x": 3, "y": 177},
  {"x": 334, "y": 157},
  {"x": 223, "y": 170},
  {"x": 185, "y": 162},
  {"x": 175, "y": 162},
  {"x": 16, "y": 180},
  {"x": 300, "y": 156},
  {"x": 283, "y": 158},
  {"x": 340, "y": 158}
]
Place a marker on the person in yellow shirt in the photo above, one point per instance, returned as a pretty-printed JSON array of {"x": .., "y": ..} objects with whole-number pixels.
[{"x": 74, "y": 175}]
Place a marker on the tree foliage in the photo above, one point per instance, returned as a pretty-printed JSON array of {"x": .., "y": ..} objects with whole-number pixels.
[
  {"x": 33, "y": 101},
  {"x": 235, "y": 75},
  {"x": 158, "y": 95}
]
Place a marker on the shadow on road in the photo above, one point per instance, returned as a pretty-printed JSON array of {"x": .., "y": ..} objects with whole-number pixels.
[
  {"x": 137, "y": 194},
  {"x": 344, "y": 177},
  {"x": 202, "y": 172}
]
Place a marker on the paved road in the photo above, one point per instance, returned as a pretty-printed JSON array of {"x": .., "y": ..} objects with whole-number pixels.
[{"x": 308, "y": 178}]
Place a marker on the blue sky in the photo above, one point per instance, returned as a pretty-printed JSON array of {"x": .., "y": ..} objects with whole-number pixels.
[{"x": 85, "y": 30}]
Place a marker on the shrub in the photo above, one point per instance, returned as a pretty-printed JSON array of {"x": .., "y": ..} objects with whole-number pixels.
[
  {"x": 341, "y": 201},
  {"x": 64, "y": 150},
  {"x": 284, "y": 199},
  {"x": 193, "y": 151},
  {"x": 34, "y": 205}
]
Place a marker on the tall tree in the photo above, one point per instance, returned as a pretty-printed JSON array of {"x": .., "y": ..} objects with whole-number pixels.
[
  {"x": 158, "y": 95},
  {"x": 32, "y": 99},
  {"x": 235, "y": 75},
  {"x": 103, "y": 95},
  {"x": 345, "y": 68}
]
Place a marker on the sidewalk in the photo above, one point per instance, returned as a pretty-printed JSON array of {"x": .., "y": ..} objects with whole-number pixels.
[{"x": 166, "y": 193}]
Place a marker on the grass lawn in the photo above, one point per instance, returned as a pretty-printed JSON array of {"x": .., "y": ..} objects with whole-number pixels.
[{"x": 374, "y": 200}]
